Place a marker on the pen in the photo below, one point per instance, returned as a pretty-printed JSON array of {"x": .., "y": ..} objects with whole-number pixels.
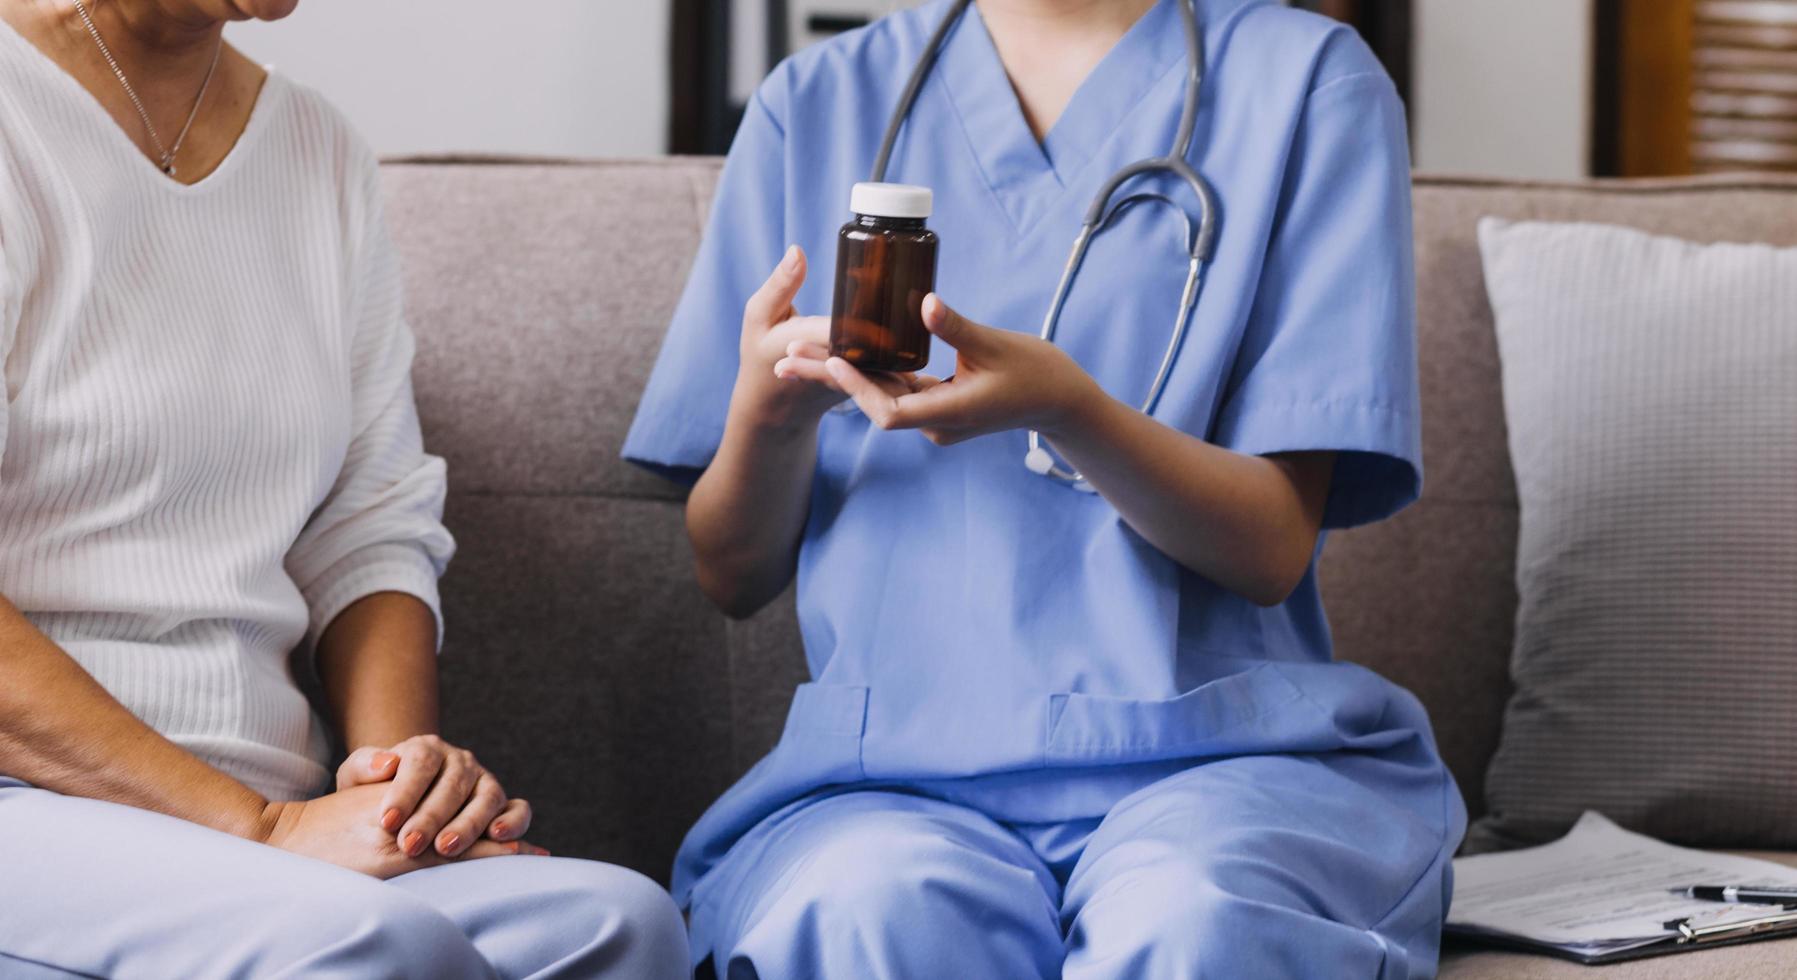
[{"x": 1734, "y": 893}]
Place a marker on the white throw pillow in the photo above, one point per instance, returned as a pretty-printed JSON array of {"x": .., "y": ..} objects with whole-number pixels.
[{"x": 1650, "y": 390}]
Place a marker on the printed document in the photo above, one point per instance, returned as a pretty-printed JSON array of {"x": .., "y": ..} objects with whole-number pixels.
[{"x": 1599, "y": 890}]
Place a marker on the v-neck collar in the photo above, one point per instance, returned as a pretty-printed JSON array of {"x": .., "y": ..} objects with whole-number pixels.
[
  {"x": 1022, "y": 173},
  {"x": 269, "y": 92}
]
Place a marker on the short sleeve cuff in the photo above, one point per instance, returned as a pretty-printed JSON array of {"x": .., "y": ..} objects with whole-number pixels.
[
  {"x": 390, "y": 567},
  {"x": 1378, "y": 469},
  {"x": 674, "y": 447}
]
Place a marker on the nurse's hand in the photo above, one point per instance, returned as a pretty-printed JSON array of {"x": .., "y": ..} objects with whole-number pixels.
[
  {"x": 1003, "y": 380},
  {"x": 340, "y": 828},
  {"x": 775, "y": 394},
  {"x": 437, "y": 796},
  {"x": 1247, "y": 522}
]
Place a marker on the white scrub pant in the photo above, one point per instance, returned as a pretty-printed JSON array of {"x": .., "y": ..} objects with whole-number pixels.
[
  {"x": 1256, "y": 866},
  {"x": 93, "y": 889}
]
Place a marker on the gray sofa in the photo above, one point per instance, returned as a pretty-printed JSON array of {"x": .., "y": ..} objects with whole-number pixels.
[{"x": 582, "y": 661}]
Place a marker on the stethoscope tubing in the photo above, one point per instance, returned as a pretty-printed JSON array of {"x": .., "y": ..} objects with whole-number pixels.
[{"x": 1200, "y": 242}]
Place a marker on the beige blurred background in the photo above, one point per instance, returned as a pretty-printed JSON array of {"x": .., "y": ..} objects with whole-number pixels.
[{"x": 1514, "y": 88}]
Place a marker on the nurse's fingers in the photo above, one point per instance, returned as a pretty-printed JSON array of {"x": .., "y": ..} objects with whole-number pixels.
[
  {"x": 878, "y": 396},
  {"x": 798, "y": 329},
  {"x": 955, "y": 330},
  {"x": 817, "y": 371},
  {"x": 805, "y": 369},
  {"x": 919, "y": 382},
  {"x": 809, "y": 349},
  {"x": 772, "y": 303},
  {"x": 948, "y": 437},
  {"x": 946, "y": 413}
]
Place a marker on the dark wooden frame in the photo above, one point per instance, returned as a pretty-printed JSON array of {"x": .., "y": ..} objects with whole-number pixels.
[
  {"x": 1387, "y": 27},
  {"x": 702, "y": 117},
  {"x": 1641, "y": 88}
]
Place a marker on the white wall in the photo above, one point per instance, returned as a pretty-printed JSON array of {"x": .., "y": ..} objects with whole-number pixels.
[
  {"x": 1500, "y": 86},
  {"x": 578, "y": 77},
  {"x": 1503, "y": 87}
]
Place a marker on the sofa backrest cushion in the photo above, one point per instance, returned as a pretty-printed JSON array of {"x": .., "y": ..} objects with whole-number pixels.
[
  {"x": 1429, "y": 598},
  {"x": 1648, "y": 391},
  {"x": 582, "y": 663}
]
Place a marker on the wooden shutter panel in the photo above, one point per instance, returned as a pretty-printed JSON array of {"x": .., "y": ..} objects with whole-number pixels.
[
  {"x": 1744, "y": 85},
  {"x": 1695, "y": 85}
]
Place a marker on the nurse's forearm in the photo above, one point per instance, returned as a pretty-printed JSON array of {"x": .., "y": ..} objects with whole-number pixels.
[
  {"x": 747, "y": 512},
  {"x": 377, "y": 662},
  {"x": 1248, "y": 523},
  {"x": 61, "y": 731}
]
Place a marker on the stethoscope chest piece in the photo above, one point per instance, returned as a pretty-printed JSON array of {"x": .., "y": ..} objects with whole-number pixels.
[{"x": 1041, "y": 462}]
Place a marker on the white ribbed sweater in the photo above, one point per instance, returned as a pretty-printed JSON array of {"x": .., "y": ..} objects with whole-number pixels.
[{"x": 209, "y": 447}]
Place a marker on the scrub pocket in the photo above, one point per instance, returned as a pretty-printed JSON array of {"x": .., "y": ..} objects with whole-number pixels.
[
  {"x": 824, "y": 728},
  {"x": 1247, "y": 712}
]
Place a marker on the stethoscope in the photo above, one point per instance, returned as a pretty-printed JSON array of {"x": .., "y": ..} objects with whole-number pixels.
[{"x": 1039, "y": 459}]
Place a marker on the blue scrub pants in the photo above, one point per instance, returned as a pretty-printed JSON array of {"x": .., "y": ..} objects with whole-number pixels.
[
  {"x": 1254, "y": 866},
  {"x": 95, "y": 889}
]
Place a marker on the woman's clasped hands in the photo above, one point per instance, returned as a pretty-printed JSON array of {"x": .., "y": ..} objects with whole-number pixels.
[{"x": 417, "y": 804}]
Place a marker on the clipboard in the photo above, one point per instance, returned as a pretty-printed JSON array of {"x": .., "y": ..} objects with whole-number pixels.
[
  {"x": 1708, "y": 931},
  {"x": 1727, "y": 926},
  {"x": 1690, "y": 937},
  {"x": 1603, "y": 894}
]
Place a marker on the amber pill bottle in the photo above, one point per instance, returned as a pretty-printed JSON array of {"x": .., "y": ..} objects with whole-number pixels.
[{"x": 885, "y": 266}]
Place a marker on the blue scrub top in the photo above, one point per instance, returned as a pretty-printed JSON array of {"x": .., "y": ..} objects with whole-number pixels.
[{"x": 979, "y": 632}]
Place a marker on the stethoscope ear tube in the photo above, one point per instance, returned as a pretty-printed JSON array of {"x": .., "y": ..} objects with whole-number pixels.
[
  {"x": 1099, "y": 213},
  {"x": 1038, "y": 459},
  {"x": 1200, "y": 242},
  {"x": 912, "y": 85}
]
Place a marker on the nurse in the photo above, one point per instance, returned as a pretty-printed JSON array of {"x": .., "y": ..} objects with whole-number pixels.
[{"x": 1053, "y": 733}]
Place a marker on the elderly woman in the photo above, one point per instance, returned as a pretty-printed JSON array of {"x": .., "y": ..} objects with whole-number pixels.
[{"x": 210, "y": 459}]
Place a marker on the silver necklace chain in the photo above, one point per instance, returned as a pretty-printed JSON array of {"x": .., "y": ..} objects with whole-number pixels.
[{"x": 167, "y": 154}]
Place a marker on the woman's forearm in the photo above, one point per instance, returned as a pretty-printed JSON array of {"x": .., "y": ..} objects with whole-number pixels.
[
  {"x": 61, "y": 731},
  {"x": 1248, "y": 523},
  {"x": 378, "y": 664},
  {"x": 748, "y": 510}
]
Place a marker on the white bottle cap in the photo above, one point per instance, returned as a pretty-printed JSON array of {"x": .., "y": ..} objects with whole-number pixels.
[{"x": 890, "y": 200}]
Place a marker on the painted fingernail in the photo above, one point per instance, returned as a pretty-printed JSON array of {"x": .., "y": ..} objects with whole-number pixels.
[
  {"x": 446, "y": 843},
  {"x": 414, "y": 843},
  {"x": 381, "y": 760},
  {"x": 390, "y": 819},
  {"x": 497, "y": 830}
]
